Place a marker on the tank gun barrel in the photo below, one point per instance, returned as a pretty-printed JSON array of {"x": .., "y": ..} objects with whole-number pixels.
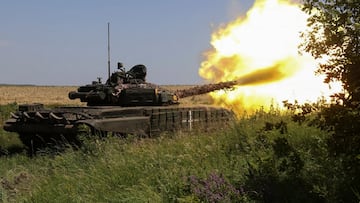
[{"x": 203, "y": 89}]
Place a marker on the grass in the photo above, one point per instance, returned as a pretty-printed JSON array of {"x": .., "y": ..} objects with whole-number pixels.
[
  {"x": 173, "y": 167},
  {"x": 115, "y": 169}
]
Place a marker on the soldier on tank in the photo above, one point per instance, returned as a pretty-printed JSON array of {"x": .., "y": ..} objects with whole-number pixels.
[{"x": 118, "y": 80}]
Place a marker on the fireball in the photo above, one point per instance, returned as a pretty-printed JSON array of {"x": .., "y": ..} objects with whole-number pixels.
[{"x": 260, "y": 51}]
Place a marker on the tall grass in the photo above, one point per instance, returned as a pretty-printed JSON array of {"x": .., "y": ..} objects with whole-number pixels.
[
  {"x": 264, "y": 158},
  {"x": 9, "y": 142}
]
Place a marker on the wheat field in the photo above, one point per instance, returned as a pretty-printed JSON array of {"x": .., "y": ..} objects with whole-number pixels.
[
  {"x": 58, "y": 95},
  {"x": 37, "y": 94}
]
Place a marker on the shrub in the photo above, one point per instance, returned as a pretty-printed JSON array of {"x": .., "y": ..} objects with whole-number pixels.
[
  {"x": 214, "y": 189},
  {"x": 344, "y": 148}
]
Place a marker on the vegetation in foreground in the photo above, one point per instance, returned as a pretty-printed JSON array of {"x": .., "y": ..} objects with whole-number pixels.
[{"x": 267, "y": 157}]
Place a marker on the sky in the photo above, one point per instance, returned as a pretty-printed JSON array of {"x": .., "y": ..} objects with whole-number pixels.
[{"x": 45, "y": 42}]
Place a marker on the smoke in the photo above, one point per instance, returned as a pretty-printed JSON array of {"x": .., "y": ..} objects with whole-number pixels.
[
  {"x": 262, "y": 76},
  {"x": 260, "y": 51}
]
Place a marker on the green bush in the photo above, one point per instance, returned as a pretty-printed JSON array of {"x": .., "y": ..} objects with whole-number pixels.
[
  {"x": 342, "y": 125},
  {"x": 344, "y": 148}
]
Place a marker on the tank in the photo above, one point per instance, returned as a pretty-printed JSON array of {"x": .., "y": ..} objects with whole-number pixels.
[{"x": 124, "y": 104}]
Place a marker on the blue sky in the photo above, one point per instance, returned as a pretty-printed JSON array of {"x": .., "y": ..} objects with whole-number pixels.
[{"x": 45, "y": 42}]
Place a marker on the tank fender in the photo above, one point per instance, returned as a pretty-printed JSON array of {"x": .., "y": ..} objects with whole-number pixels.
[{"x": 128, "y": 125}]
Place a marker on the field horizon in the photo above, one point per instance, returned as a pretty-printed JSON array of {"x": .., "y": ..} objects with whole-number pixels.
[{"x": 58, "y": 95}]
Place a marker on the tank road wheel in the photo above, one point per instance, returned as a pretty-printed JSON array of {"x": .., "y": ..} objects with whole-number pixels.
[
  {"x": 44, "y": 143},
  {"x": 87, "y": 132},
  {"x": 32, "y": 142},
  {"x": 120, "y": 135},
  {"x": 84, "y": 131},
  {"x": 59, "y": 142}
]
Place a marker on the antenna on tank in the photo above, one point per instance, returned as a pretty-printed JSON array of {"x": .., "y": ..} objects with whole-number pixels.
[{"x": 108, "y": 49}]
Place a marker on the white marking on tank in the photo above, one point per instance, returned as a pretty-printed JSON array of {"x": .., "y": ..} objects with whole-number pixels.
[{"x": 190, "y": 120}]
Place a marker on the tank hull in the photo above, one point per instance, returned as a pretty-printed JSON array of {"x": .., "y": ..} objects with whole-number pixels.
[{"x": 64, "y": 122}]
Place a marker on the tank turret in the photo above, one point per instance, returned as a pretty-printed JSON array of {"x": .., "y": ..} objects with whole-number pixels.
[
  {"x": 125, "y": 89},
  {"x": 131, "y": 89}
]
